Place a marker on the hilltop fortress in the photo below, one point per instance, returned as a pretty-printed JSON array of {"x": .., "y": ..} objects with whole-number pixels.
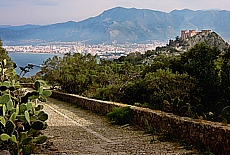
[
  {"x": 191, "y": 37},
  {"x": 186, "y": 34}
]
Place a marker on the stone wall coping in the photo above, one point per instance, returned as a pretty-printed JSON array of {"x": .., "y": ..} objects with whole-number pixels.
[{"x": 210, "y": 123}]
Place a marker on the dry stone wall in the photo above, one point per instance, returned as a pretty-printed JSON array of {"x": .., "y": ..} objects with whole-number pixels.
[{"x": 215, "y": 136}]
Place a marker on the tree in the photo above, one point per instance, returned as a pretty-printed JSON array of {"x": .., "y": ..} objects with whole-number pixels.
[
  {"x": 4, "y": 55},
  {"x": 52, "y": 71},
  {"x": 225, "y": 78},
  {"x": 199, "y": 62}
]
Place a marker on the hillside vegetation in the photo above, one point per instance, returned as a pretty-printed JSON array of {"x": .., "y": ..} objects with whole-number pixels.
[{"x": 194, "y": 83}]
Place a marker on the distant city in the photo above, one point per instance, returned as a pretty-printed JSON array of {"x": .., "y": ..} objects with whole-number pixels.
[{"x": 103, "y": 51}]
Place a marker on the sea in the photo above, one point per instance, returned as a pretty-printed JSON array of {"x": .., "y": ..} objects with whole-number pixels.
[{"x": 22, "y": 59}]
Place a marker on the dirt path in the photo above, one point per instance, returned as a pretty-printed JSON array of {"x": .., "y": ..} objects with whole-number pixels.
[{"x": 76, "y": 131}]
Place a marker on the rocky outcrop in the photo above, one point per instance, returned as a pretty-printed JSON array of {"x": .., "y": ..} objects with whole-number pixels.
[{"x": 210, "y": 38}]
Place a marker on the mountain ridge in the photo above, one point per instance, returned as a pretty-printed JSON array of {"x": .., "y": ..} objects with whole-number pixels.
[{"x": 121, "y": 25}]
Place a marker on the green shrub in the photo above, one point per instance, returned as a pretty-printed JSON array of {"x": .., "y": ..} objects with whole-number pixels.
[
  {"x": 120, "y": 115},
  {"x": 154, "y": 86},
  {"x": 109, "y": 93}
]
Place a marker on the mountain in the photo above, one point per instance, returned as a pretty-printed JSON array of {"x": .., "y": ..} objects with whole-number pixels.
[
  {"x": 23, "y": 27},
  {"x": 121, "y": 25},
  {"x": 216, "y": 20}
]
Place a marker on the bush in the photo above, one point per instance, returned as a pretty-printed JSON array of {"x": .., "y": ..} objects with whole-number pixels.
[
  {"x": 120, "y": 115},
  {"x": 109, "y": 93},
  {"x": 154, "y": 86}
]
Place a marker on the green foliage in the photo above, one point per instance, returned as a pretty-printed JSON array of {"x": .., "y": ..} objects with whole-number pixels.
[
  {"x": 225, "y": 79},
  {"x": 220, "y": 114},
  {"x": 25, "y": 70},
  {"x": 133, "y": 58},
  {"x": 21, "y": 119},
  {"x": 154, "y": 86},
  {"x": 109, "y": 93},
  {"x": 120, "y": 115},
  {"x": 201, "y": 74},
  {"x": 177, "y": 106},
  {"x": 82, "y": 75},
  {"x": 4, "y": 56},
  {"x": 74, "y": 73},
  {"x": 199, "y": 62}
]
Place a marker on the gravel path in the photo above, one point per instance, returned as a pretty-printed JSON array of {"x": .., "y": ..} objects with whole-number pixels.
[{"x": 75, "y": 131}]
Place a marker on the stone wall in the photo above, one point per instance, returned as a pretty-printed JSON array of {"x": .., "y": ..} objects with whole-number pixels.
[{"x": 215, "y": 136}]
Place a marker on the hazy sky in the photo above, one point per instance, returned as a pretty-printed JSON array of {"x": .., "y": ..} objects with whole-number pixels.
[{"x": 42, "y": 12}]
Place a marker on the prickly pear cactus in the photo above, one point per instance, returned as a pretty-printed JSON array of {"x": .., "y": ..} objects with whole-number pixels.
[
  {"x": 176, "y": 105},
  {"x": 21, "y": 118},
  {"x": 10, "y": 127}
]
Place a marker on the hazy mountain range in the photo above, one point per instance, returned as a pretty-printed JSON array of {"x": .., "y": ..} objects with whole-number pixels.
[{"x": 121, "y": 25}]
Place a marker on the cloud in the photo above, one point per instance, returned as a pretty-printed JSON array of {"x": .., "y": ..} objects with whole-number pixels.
[{"x": 44, "y": 2}]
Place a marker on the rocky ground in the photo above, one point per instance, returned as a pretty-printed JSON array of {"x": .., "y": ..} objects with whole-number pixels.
[{"x": 75, "y": 131}]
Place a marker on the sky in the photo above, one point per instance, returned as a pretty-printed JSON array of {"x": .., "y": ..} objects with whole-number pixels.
[{"x": 44, "y": 12}]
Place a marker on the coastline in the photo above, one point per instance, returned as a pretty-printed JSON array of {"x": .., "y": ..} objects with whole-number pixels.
[
  {"x": 35, "y": 53},
  {"x": 22, "y": 59}
]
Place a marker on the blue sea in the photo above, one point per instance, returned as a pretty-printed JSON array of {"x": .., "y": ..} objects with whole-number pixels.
[{"x": 23, "y": 59}]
